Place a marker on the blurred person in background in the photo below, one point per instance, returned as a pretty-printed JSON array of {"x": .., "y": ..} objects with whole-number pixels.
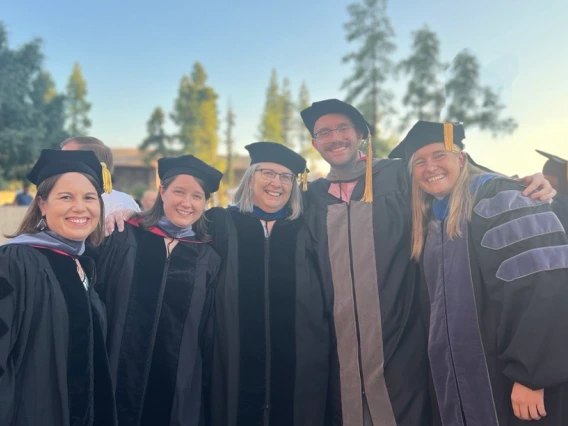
[
  {"x": 116, "y": 200},
  {"x": 148, "y": 199},
  {"x": 24, "y": 198}
]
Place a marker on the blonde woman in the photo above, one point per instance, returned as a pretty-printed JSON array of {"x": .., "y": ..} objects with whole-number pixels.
[{"x": 496, "y": 268}]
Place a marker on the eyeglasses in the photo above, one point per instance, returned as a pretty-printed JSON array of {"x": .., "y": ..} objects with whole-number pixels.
[
  {"x": 270, "y": 175},
  {"x": 325, "y": 135}
]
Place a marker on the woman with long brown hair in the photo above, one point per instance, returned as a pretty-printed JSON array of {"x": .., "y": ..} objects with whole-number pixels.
[
  {"x": 157, "y": 279},
  {"x": 53, "y": 363}
]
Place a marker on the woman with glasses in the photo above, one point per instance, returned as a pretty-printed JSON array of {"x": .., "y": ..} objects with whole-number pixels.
[
  {"x": 270, "y": 363},
  {"x": 271, "y": 348}
]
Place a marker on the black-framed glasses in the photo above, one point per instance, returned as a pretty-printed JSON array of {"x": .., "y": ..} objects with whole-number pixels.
[
  {"x": 270, "y": 175},
  {"x": 325, "y": 135}
]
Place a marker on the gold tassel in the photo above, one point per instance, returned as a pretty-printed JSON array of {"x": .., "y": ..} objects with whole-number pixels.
[
  {"x": 107, "y": 179},
  {"x": 368, "y": 194},
  {"x": 305, "y": 180},
  {"x": 448, "y": 136}
]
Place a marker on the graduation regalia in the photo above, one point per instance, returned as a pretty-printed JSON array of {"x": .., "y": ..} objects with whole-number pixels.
[
  {"x": 53, "y": 364},
  {"x": 158, "y": 310},
  {"x": 560, "y": 208},
  {"x": 372, "y": 288},
  {"x": 270, "y": 364},
  {"x": 497, "y": 296},
  {"x": 379, "y": 366},
  {"x": 498, "y": 308}
]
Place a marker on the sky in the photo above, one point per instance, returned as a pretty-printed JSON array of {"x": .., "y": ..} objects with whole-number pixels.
[{"x": 134, "y": 53}]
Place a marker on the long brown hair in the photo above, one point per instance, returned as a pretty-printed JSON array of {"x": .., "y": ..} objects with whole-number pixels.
[
  {"x": 151, "y": 217},
  {"x": 29, "y": 224},
  {"x": 460, "y": 204}
]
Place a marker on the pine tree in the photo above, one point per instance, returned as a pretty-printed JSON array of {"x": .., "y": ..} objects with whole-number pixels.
[
  {"x": 76, "y": 103},
  {"x": 370, "y": 27},
  {"x": 270, "y": 128},
  {"x": 230, "y": 119},
  {"x": 287, "y": 109},
  {"x": 304, "y": 137},
  {"x": 425, "y": 95},
  {"x": 157, "y": 143},
  {"x": 23, "y": 130},
  {"x": 471, "y": 103},
  {"x": 195, "y": 114},
  {"x": 50, "y": 107}
]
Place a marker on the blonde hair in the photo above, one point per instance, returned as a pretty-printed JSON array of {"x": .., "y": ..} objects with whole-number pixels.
[
  {"x": 460, "y": 205},
  {"x": 244, "y": 196}
]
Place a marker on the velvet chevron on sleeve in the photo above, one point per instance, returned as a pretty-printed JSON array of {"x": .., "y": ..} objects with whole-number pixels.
[{"x": 498, "y": 297}]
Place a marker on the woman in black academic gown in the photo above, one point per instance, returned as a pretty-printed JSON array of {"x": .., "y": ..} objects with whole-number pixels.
[
  {"x": 53, "y": 364},
  {"x": 271, "y": 352},
  {"x": 496, "y": 269},
  {"x": 272, "y": 340},
  {"x": 157, "y": 279}
]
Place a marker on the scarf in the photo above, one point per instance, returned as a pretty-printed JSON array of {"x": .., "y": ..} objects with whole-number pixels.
[
  {"x": 356, "y": 170},
  {"x": 257, "y": 212},
  {"x": 174, "y": 231},
  {"x": 52, "y": 241}
]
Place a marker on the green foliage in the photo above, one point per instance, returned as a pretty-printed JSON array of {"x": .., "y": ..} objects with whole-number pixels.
[
  {"x": 304, "y": 137},
  {"x": 31, "y": 112},
  {"x": 157, "y": 143},
  {"x": 270, "y": 128},
  {"x": 229, "y": 176},
  {"x": 277, "y": 121},
  {"x": 51, "y": 107},
  {"x": 195, "y": 114},
  {"x": 424, "y": 97},
  {"x": 287, "y": 108},
  {"x": 471, "y": 103},
  {"x": 76, "y": 103},
  {"x": 370, "y": 27}
]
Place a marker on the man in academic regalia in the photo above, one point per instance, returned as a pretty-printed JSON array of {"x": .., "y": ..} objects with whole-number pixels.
[{"x": 360, "y": 218}]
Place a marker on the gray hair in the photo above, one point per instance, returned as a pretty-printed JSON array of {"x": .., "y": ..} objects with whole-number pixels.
[{"x": 244, "y": 196}]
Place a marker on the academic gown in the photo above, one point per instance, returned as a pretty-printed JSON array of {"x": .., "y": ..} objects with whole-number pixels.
[
  {"x": 53, "y": 364},
  {"x": 560, "y": 208},
  {"x": 498, "y": 296},
  {"x": 379, "y": 369},
  {"x": 158, "y": 310},
  {"x": 271, "y": 351}
]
